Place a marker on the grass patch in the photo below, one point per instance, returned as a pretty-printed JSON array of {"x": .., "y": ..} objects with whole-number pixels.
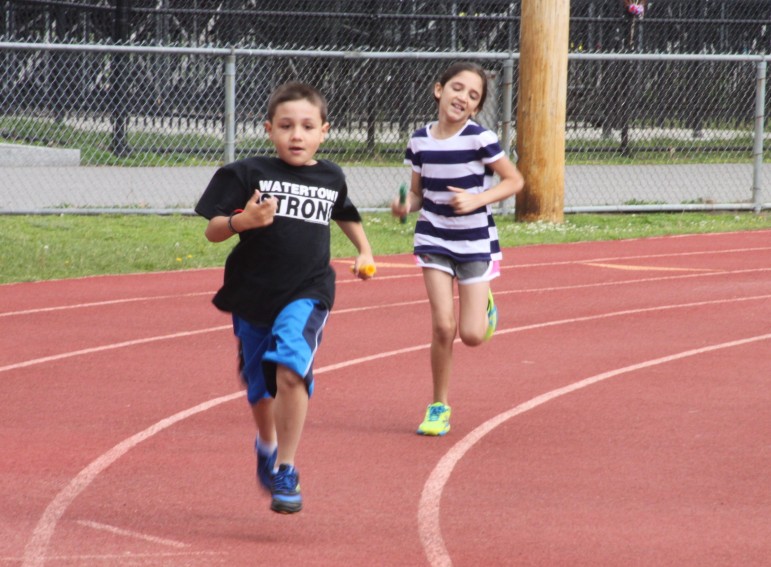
[
  {"x": 67, "y": 246},
  {"x": 186, "y": 149}
]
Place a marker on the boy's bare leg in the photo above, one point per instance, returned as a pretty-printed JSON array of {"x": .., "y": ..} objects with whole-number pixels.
[
  {"x": 289, "y": 410},
  {"x": 439, "y": 286},
  {"x": 262, "y": 412}
]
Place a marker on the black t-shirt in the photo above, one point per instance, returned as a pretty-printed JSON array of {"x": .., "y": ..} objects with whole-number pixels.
[{"x": 289, "y": 259}]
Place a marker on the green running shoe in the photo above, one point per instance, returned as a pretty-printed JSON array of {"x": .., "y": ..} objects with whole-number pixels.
[
  {"x": 437, "y": 420},
  {"x": 492, "y": 316}
]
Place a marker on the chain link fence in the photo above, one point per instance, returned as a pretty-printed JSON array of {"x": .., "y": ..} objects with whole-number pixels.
[
  {"x": 108, "y": 128},
  {"x": 605, "y": 26}
]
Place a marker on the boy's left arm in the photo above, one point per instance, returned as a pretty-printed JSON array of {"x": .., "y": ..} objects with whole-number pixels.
[{"x": 355, "y": 233}]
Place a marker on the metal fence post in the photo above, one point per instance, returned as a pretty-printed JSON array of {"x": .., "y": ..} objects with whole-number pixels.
[
  {"x": 119, "y": 83},
  {"x": 757, "y": 148},
  {"x": 177, "y": 122},
  {"x": 230, "y": 107},
  {"x": 506, "y": 113}
]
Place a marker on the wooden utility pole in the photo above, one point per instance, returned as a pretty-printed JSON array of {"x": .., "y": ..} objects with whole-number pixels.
[{"x": 541, "y": 109}]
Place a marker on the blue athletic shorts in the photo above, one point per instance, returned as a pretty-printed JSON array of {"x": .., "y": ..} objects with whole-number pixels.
[{"x": 292, "y": 342}]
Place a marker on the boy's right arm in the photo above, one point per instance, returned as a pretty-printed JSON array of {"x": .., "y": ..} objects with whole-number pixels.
[
  {"x": 256, "y": 214},
  {"x": 355, "y": 233},
  {"x": 218, "y": 230}
]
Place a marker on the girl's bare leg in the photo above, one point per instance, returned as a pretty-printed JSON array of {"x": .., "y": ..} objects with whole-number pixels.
[
  {"x": 439, "y": 286},
  {"x": 473, "y": 312}
]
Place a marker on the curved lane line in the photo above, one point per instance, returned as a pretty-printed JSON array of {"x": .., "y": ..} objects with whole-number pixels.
[
  {"x": 637, "y": 257},
  {"x": 103, "y": 303},
  {"x": 381, "y": 278},
  {"x": 103, "y": 348},
  {"x": 429, "y": 507},
  {"x": 35, "y": 551}
]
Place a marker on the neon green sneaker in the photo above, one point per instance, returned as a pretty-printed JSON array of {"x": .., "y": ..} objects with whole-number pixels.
[
  {"x": 437, "y": 420},
  {"x": 492, "y": 316}
]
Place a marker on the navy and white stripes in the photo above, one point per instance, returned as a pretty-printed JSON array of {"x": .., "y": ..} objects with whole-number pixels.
[{"x": 459, "y": 161}]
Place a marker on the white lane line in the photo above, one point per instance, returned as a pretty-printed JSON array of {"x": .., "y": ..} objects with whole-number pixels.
[
  {"x": 636, "y": 257},
  {"x": 417, "y": 274},
  {"x": 35, "y": 551},
  {"x": 648, "y": 268},
  {"x": 103, "y": 303},
  {"x": 130, "y": 533},
  {"x": 429, "y": 527},
  {"x": 629, "y": 312},
  {"x": 103, "y": 348},
  {"x": 634, "y": 281},
  {"x": 120, "y": 558},
  {"x": 414, "y": 302}
]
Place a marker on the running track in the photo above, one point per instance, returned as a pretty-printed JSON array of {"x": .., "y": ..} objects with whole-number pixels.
[{"x": 620, "y": 416}]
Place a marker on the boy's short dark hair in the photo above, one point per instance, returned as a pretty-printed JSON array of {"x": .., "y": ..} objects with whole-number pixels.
[{"x": 296, "y": 90}]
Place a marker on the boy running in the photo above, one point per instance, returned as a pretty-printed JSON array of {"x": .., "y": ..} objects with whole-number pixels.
[{"x": 278, "y": 282}]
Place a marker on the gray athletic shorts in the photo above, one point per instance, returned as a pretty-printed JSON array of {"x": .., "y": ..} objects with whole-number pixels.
[{"x": 465, "y": 272}]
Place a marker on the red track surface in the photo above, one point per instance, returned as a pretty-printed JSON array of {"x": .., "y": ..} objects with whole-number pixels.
[{"x": 620, "y": 416}]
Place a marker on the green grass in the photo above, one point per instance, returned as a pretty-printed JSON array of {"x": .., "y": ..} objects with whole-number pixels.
[
  {"x": 187, "y": 149},
  {"x": 67, "y": 246}
]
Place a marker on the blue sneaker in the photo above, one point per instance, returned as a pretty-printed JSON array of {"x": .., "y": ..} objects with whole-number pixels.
[
  {"x": 265, "y": 464},
  {"x": 286, "y": 490}
]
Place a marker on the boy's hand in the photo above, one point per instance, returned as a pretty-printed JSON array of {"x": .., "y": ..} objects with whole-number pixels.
[
  {"x": 260, "y": 210},
  {"x": 364, "y": 261},
  {"x": 463, "y": 202}
]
